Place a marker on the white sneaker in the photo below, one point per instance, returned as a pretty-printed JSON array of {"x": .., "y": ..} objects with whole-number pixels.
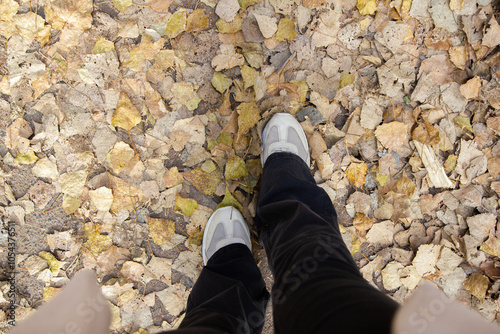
[
  {"x": 283, "y": 133},
  {"x": 226, "y": 226}
]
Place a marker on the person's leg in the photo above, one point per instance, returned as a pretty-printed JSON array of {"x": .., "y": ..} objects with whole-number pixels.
[
  {"x": 230, "y": 295},
  {"x": 318, "y": 287}
]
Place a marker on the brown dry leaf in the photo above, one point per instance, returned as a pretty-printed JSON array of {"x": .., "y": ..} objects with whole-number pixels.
[
  {"x": 205, "y": 182},
  {"x": 125, "y": 195},
  {"x": 492, "y": 36},
  {"x": 405, "y": 185},
  {"x": 426, "y": 133},
  {"x": 470, "y": 89},
  {"x": 126, "y": 115},
  {"x": 161, "y": 230},
  {"x": 363, "y": 223},
  {"x": 317, "y": 144},
  {"x": 227, "y": 58},
  {"x": 172, "y": 178},
  {"x": 108, "y": 259},
  {"x": 491, "y": 246},
  {"x": 458, "y": 56},
  {"x": 356, "y": 173},
  {"x": 392, "y": 135},
  {"x": 477, "y": 285}
]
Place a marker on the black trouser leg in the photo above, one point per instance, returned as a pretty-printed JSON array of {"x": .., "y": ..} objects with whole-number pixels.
[
  {"x": 318, "y": 287},
  {"x": 230, "y": 295}
]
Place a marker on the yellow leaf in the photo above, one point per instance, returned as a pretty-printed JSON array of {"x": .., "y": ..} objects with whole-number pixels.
[
  {"x": 457, "y": 4},
  {"x": 196, "y": 238},
  {"x": 136, "y": 60},
  {"x": 54, "y": 264},
  {"x": 126, "y": 115},
  {"x": 450, "y": 163},
  {"x": 26, "y": 159},
  {"x": 197, "y": 21},
  {"x": 102, "y": 45},
  {"x": 186, "y": 206},
  {"x": 355, "y": 246},
  {"x": 220, "y": 82},
  {"x": 96, "y": 242},
  {"x": 381, "y": 179},
  {"x": 247, "y": 3},
  {"x": 346, "y": 79},
  {"x": 165, "y": 59},
  {"x": 176, "y": 24},
  {"x": 249, "y": 115},
  {"x": 229, "y": 27},
  {"x": 249, "y": 76},
  {"x": 160, "y": 230},
  {"x": 184, "y": 93},
  {"x": 356, "y": 173},
  {"x": 71, "y": 204},
  {"x": 205, "y": 182},
  {"x": 286, "y": 30},
  {"x": 367, "y": 7},
  {"x": 464, "y": 123},
  {"x": 235, "y": 168},
  {"x": 122, "y": 5},
  {"x": 229, "y": 200}
]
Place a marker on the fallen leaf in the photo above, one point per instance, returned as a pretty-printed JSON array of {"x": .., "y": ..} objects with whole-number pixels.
[
  {"x": 477, "y": 285},
  {"x": 71, "y": 204},
  {"x": 160, "y": 230},
  {"x": 235, "y": 168},
  {"x": 363, "y": 223},
  {"x": 458, "y": 56},
  {"x": 392, "y": 135},
  {"x": 197, "y": 21},
  {"x": 176, "y": 24},
  {"x": 229, "y": 200},
  {"x": 249, "y": 76},
  {"x": 184, "y": 93},
  {"x": 126, "y": 115},
  {"x": 267, "y": 25},
  {"x": 470, "y": 89},
  {"x": 248, "y": 116},
  {"x": 96, "y": 242},
  {"x": 492, "y": 37},
  {"x": 227, "y": 58},
  {"x": 230, "y": 27},
  {"x": 186, "y": 206},
  {"x": 286, "y": 30},
  {"x": 366, "y": 7},
  {"x": 221, "y": 83},
  {"x": 102, "y": 45},
  {"x": 102, "y": 198},
  {"x": 73, "y": 183},
  {"x": 356, "y": 173},
  {"x": 346, "y": 79},
  {"x": 172, "y": 178},
  {"x": 122, "y": 5},
  {"x": 54, "y": 264},
  {"x": 205, "y": 182},
  {"x": 227, "y": 9}
]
